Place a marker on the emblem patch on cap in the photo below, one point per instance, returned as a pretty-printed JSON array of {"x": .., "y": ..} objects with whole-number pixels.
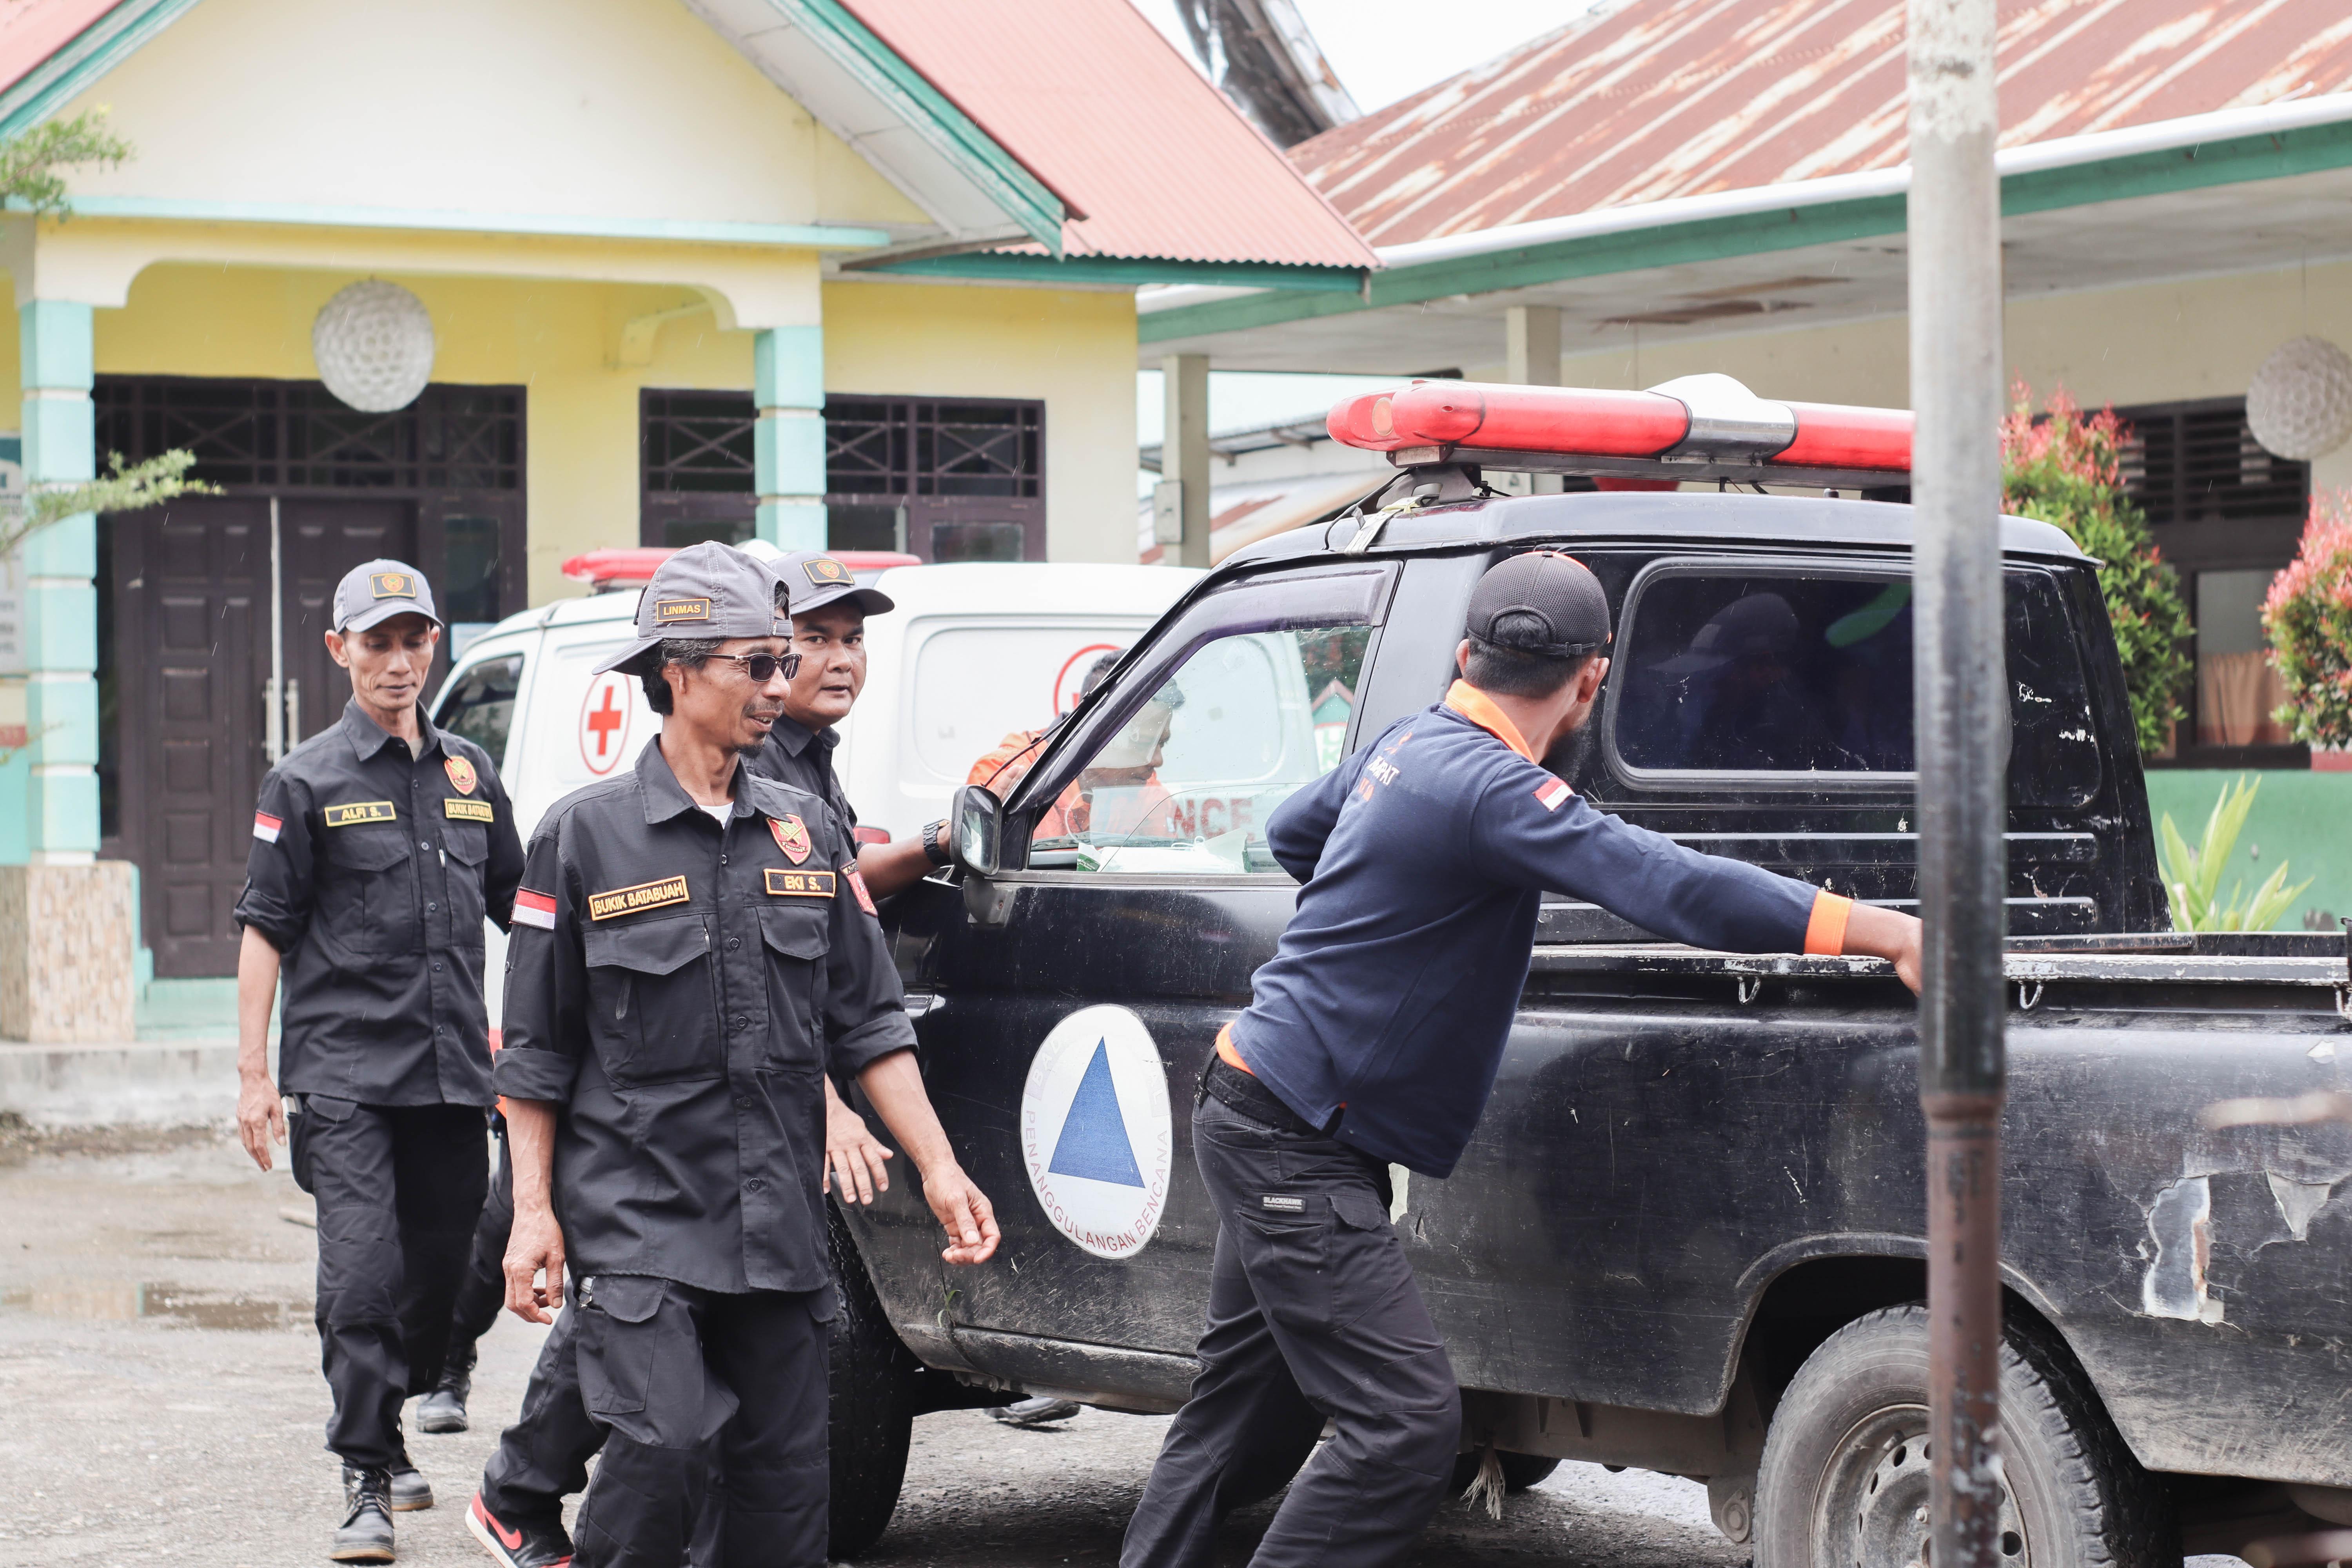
[
  {"x": 786, "y": 884},
  {"x": 359, "y": 811},
  {"x": 824, "y": 571},
  {"x": 643, "y": 896},
  {"x": 391, "y": 585},
  {"x": 461, "y": 774},
  {"x": 791, "y": 837},
  {"x": 669, "y": 612}
]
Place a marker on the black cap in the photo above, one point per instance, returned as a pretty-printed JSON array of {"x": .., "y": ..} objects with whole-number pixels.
[{"x": 1540, "y": 603}]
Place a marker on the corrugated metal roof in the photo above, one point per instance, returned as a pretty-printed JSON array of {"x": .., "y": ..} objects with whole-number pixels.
[
  {"x": 1103, "y": 111},
  {"x": 1677, "y": 98}
]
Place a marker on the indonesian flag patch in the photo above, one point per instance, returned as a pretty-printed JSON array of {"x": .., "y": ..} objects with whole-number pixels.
[
  {"x": 858, "y": 886},
  {"x": 534, "y": 909},
  {"x": 266, "y": 826},
  {"x": 1552, "y": 793}
]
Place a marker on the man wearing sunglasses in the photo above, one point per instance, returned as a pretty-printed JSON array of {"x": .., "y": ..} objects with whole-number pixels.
[{"x": 693, "y": 950}]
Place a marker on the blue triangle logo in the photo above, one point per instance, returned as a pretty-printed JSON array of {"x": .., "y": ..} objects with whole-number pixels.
[{"x": 1093, "y": 1143}]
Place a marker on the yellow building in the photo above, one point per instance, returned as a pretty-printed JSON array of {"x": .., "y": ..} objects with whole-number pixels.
[{"x": 851, "y": 275}]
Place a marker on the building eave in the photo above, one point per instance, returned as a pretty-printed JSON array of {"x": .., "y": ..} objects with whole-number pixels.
[{"x": 95, "y": 50}]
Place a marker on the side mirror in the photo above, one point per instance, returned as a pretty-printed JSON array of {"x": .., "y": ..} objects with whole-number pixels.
[{"x": 976, "y": 818}]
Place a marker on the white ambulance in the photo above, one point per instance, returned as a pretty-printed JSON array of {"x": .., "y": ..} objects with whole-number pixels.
[{"x": 972, "y": 653}]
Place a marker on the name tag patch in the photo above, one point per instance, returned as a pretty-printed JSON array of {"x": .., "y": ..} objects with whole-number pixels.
[
  {"x": 643, "y": 896},
  {"x": 469, "y": 810},
  {"x": 668, "y": 612},
  {"x": 786, "y": 884},
  {"x": 359, "y": 811},
  {"x": 1281, "y": 1205}
]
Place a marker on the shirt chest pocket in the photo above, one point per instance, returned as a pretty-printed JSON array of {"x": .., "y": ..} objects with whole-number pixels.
[
  {"x": 651, "y": 1009},
  {"x": 469, "y": 847},
  {"x": 367, "y": 902},
  {"x": 797, "y": 935}
]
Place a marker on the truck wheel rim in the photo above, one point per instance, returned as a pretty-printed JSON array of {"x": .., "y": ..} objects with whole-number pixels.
[{"x": 1871, "y": 1510}]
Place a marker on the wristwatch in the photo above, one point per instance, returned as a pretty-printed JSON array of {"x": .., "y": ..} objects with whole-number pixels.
[{"x": 935, "y": 842}]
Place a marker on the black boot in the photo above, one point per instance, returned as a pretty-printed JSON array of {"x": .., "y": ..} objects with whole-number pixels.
[
  {"x": 365, "y": 1535},
  {"x": 444, "y": 1409}
]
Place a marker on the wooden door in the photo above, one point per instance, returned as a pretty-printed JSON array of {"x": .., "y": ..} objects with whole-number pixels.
[
  {"x": 191, "y": 585},
  {"x": 321, "y": 541}
]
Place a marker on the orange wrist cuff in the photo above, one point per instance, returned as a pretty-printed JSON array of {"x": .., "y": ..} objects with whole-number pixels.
[{"x": 1825, "y": 932}]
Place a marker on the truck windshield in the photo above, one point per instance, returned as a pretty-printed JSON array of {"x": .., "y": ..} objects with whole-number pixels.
[{"x": 479, "y": 704}]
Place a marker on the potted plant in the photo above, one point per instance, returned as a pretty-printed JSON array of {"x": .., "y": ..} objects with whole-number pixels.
[{"x": 2308, "y": 617}]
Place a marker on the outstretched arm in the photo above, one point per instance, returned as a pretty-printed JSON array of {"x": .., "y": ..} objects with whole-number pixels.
[
  {"x": 1890, "y": 934},
  {"x": 894, "y": 1084}
]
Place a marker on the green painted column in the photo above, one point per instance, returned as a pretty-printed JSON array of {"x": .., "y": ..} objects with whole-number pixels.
[
  {"x": 60, "y": 613},
  {"x": 788, "y": 442}
]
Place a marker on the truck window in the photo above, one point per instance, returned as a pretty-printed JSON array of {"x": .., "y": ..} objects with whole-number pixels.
[
  {"x": 985, "y": 685},
  {"x": 479, "y": 704},
  {"x": 1185, "y": 786},
  {"x": 1807, "y": 672}
]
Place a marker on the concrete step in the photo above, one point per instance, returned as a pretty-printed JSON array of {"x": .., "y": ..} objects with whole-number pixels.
[{"x": 162, "y": 1083}]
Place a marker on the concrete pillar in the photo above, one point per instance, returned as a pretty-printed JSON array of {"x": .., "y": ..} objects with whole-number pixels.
[
  {"x": 1184, "y": 455},
  {"x": 788, "y": 442},
  {"x": 68, "y": 930},
  {"x": 1531, "y": 358}
]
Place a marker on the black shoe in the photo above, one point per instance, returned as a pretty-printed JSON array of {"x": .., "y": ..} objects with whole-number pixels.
[
  {"x": 410, "y": 1491},
  {"x": 365, "y": 1535},
  {"x": 1035, "y": 1412},
  {"x": 525, "y": 1543},
  {"x": 444, "y": 1409}
]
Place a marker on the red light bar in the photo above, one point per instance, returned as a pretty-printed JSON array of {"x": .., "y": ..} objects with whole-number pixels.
[
  {"x": 1694, "y": 427},
  {"x": 633, "y": 567}
]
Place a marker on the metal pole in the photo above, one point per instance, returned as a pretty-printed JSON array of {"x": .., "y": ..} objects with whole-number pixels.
[{"x": 1962, "y": 700}]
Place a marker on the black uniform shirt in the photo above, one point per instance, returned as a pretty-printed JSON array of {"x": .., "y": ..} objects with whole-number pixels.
[
  {"x": 678, "y": 988},
  {"x": 801, "y": 757},
  {"x": 371, "y": 871}
]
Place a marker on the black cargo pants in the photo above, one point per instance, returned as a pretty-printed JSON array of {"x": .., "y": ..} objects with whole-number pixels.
[
  {"x": 399, "y": 1189},
  {"x": 1313, "y": 1311},
  {"x": 695, "y": 1390},
  {"x": 544, "y": 1457}
]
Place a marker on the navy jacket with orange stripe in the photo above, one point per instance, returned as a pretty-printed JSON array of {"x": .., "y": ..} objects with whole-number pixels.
[{"x": 1424, "y": 857}]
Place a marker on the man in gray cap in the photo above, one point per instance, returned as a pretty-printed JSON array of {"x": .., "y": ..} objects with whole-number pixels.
[
  {"x": 378, "y": 846},
  {"x": 693, "y": 949}
]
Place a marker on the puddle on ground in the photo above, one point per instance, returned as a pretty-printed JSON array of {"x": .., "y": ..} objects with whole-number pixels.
[{"x": 117, "y": 1300}]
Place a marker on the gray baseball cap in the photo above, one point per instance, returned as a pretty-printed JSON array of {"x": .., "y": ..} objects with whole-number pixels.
[
  {"x": 817, "y": 579},
  {"x": 707, "y": 590},
  {"x": 376, "y": 591}
]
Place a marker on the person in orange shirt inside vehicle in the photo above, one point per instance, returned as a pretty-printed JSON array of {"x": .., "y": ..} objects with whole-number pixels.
[{"x": 1120, "y": 797}]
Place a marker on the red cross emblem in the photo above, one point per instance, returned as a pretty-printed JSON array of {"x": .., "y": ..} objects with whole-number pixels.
[{"x": 605, "y": 715}]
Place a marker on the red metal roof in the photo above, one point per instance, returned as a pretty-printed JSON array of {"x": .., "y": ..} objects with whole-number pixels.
[
  {"x": 1678, "y": 98},
  {"x": 1103, "y": 109},
  {"x": 33, "y": 30}
]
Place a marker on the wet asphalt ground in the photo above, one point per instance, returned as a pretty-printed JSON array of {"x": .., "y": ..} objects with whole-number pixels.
[{"x": 159, "y": 1377}]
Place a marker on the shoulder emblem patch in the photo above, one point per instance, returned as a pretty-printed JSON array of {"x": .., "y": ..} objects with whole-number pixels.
[
  {"x": 786, "y": 884},
  {"x": 534, "y": 909},
  {"x": 468, "y": 810},
  {"x": 858, "y": 886},
  {"x": 1552, "y": 795},
  {"x": 354, "y": 811},
  {"x": 791, "y": 837},
  {"x": 643, "y": 896},
  {"x": 461, "y": 774}
]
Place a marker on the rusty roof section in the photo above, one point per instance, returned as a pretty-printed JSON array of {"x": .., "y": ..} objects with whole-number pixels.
[
  {"x": 1102, "y": 110},
  {"x": 1680, "y": 97}
]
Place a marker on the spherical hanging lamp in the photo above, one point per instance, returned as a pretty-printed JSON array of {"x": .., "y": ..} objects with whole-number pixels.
[
  {"x": 374, "y": 345},
  {"x": 2299, "y": 405}
]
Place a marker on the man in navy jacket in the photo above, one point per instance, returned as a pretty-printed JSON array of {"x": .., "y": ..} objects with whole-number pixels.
[{"x": 1373, "y": 1037}]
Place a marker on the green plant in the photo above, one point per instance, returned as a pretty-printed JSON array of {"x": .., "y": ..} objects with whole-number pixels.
[
  {"x": 2308, "y": 617},
  {"x": 2192, "y": 877},
  {"x": 30, "y": 165},
  {"x": 2065, "y": 467}
]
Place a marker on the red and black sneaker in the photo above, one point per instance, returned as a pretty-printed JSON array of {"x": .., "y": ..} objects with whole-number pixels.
[{"x": 525, "y": 1543}]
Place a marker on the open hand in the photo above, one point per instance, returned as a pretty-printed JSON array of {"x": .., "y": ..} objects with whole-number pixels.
[
  {"x": 964, "y": 1212},
  {"x": 260, "y": 1117},
  {"x": 853, "y": 1156},
  {"x": 534, "y": 1245}
]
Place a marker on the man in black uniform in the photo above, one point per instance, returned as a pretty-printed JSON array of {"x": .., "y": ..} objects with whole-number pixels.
[
  {"x": 693, "y": 949},
  {"x": 378, "y": 846}
]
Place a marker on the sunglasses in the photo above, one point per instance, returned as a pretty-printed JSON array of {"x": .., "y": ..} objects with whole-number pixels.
[{"x": 762, "y": 668}]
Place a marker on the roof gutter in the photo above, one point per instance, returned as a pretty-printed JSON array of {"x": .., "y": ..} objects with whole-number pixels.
[{"x": 2061, "y": 153}]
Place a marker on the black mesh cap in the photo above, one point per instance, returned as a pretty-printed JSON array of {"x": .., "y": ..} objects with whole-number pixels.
[{"x": 1541, "y": 603}]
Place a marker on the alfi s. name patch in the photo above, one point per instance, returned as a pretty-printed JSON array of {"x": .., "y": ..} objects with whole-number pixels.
[
  {"x": 352, "y": 813},
  {"x": 469, "y": 810},
  {"x": 786, "y": 884},
  {"x": 643, "y": 896}
]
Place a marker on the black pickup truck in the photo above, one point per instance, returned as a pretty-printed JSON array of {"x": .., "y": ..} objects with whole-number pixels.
[{"x": 1688, "y": 1237}]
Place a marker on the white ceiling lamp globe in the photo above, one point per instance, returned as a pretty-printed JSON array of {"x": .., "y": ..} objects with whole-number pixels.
[
  {"x": 374, "y": 345},
  {"x": 2299, "y": 405}
]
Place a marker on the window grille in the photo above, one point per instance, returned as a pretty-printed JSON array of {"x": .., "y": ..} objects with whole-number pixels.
[
  {"x": 294, "y": 435},
  {"x": 2196, "y": 462}
]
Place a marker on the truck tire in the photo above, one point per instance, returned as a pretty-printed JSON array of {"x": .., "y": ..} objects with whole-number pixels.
[
  {"x": 1844, "y": 1477},
  {"x": 872, "y": 1393}
]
